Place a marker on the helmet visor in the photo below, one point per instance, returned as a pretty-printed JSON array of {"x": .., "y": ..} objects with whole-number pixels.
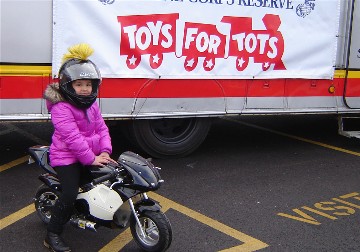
[{"x": 79, "y": 71}]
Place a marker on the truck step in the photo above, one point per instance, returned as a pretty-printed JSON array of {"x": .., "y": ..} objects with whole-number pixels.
[{"x": 349, "y": 126}]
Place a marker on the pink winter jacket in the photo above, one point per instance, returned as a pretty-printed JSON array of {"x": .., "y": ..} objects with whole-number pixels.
[{"x": 79, "y": 134}]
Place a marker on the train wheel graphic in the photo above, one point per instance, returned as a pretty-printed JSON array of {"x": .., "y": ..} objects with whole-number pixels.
[
  {"x": 209, "y": 63},
  {"x": 133, "y": 60},
  {"x": 190, "y": 63},
  {"x": 242, "y": 63},
  {"x": 266, "y": 66},
  {"x": 156, "y": 60}
]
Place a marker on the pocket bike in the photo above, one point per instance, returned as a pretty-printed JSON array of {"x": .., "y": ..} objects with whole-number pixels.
[{"x": 115, "y": 198}]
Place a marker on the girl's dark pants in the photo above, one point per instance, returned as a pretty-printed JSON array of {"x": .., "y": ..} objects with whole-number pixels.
[{"x": 71, "y": 177}]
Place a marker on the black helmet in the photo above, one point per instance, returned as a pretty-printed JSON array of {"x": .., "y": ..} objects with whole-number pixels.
[{"x": 76, "y": 69}]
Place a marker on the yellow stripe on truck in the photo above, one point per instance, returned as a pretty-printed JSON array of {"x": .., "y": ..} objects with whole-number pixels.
[
  {"x": 19, "y": 70},
  {"x": 354, "y": 74}
]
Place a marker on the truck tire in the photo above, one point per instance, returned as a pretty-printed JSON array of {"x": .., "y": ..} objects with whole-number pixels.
[{"x": 164, "y": 138}]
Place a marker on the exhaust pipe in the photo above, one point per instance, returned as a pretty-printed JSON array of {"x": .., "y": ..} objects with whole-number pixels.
[{"x": 83, "y": 224}]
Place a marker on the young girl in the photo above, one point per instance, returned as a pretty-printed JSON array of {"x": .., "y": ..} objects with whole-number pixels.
[{"x": 80, "y": 138}]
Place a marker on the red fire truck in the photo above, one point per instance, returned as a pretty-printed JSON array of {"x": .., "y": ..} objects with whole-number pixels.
[{"x": 174, "y": 71}]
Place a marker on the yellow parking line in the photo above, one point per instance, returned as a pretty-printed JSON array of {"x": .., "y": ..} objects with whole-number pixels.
[
  {"x": 248, "y": 243},
  {"x": 14, "y": 217},
  {"x": 125, "y": 237},
  {"x": 119, "y": 242},
  {"x": 297, "y": 138},
  {"x": 14, "y": 163}
]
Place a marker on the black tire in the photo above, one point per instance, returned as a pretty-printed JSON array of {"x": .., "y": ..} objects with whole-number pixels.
[
  {"x": 158, "y": 232},
  {"x": 164, "y": 138},
  {"x": 45, "y": 199}
]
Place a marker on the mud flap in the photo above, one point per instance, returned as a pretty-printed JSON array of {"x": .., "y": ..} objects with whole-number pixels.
[{"x": 147, "y": 205}]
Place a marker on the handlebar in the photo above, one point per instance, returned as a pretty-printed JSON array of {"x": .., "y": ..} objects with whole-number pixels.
[{"x": 108, "y": 176}]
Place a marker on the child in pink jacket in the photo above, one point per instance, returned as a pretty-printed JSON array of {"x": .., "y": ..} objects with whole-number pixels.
[{"x": 80, "y": 137}]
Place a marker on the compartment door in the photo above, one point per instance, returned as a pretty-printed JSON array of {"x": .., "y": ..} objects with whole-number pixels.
[{"x": 352, "y": 88}]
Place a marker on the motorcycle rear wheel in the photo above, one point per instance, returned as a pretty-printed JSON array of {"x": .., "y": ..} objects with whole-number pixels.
[
  {"x": 45, "y": 199},
  {"x": 157, "y": 229}
]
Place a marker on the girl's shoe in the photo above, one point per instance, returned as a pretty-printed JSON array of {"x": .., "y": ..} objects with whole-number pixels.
[{"x": 55, "y": 243}]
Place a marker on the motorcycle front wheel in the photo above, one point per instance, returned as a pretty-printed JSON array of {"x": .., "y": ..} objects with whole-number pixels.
[
  {"x": 45, "y": 199},
  {"x": 157, "y": 230}
]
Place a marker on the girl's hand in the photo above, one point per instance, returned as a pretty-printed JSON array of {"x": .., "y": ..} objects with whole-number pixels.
[
  {"x": 103, "y": 159},
  {"x": 106, "y": 155}
]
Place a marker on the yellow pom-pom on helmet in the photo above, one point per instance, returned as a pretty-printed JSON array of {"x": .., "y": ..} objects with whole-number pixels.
[
  {"x": 80, "y": 51},
  {"x": 76, "y": 66}
]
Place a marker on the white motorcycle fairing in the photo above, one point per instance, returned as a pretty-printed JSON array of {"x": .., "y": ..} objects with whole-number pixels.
[{"x": 103, "y": 201}]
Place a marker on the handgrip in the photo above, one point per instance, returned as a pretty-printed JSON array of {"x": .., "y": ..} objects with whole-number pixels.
[{"x": 110, "y": 175}]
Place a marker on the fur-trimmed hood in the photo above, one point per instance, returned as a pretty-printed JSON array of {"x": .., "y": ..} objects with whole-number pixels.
[{"x": 52, "y": 93}]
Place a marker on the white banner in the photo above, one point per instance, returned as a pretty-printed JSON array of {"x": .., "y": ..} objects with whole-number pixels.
[{"x": 197, "y": 39}]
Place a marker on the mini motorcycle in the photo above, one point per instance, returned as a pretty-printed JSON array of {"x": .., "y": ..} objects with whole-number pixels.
[{"x": 115, "y": 198}]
